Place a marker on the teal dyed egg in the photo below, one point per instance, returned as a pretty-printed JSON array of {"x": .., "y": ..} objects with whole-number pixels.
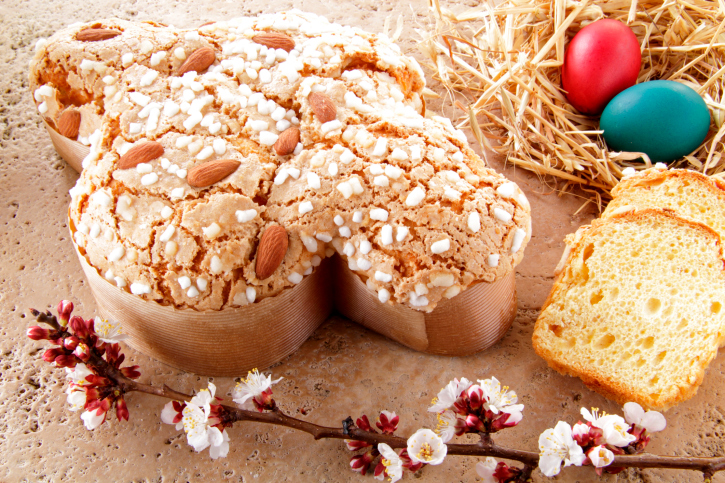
[{"x": 665, "y": 119}]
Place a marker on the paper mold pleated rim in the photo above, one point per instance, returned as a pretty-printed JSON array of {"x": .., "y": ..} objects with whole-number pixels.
[{"x": 501, "y": 66}]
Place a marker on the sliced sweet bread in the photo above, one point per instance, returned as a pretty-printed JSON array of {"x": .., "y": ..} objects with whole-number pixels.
[
  {"x": 690, "y": 194},
  {"x": 637, "y": 312}
]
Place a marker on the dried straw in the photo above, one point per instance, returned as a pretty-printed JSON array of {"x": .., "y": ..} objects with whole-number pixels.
[{"x": 505, "y": 61}]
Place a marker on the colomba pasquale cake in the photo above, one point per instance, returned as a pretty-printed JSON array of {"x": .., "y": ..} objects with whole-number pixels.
[{"x": 227, "y": 163}]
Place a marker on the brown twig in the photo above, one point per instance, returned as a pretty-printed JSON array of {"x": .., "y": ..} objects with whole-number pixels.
[{"x": 485, "y": 447}]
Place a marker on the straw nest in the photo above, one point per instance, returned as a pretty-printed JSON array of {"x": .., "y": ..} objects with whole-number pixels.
[{"x": 505, "y": 60}]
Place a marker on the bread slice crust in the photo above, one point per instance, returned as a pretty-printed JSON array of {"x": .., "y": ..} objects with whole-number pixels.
[
  {"x": 622, "y": 348},
  {"x": 690, "y": 194}
]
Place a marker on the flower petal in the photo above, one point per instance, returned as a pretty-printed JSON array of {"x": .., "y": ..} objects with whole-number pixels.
[
  {"x": 550, "y": 465},
  {"x": 486, "y": 469},
  {"x": 653, "y": 421},
  {"x": 168, "y": 414},
  {"x": 633, "y": 412}
]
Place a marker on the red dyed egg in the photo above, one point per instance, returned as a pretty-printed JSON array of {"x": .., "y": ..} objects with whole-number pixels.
[{"x": 602, "y": 60}]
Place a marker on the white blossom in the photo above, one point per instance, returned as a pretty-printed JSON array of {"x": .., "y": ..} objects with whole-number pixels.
[
  {"x": 76, "y": 394},
  {"x": 109, "y": 331},
  {"x": 557, "y": 446},
  {"x": 252, "y": 386},
  {"x": 500, "y": 399},
  {"x": 652, "y": 421},
  {"x": 78, "y": 374},
  {"x": 613, "y": 426},
  {"x": 486, "y": 468},
  {"x": 199, "y": 427},
  {"x": 601, "y": 456},
  {"x": 76, "y": 398},
  {"x": 426, "y": 447},
  {"x": 392, "y": 462},
  {"x": 91, "y": 419},
  {"x": 448, "y": 395}
]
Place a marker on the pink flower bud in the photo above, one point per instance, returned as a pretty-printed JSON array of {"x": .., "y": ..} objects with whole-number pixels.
[
  {"x": 65, "y": 361},
  {"x": 361, "y": 463},
  {"x": 91, "y": 324},
  {"x": 50, "y": 354},
  {"x": 363, "y": 423},
  {"x": 506, "y": 420},
  {"x": 65, "y": 307},
  {"x": 354, "y": 445},
  {"x": 70, "y": 343},
  {"x": 78, "y": 326},
  {"x": 121, "y": 409},
  {"x": 82, "y": 352},
  {"x": 38, "y": 333},
  {"x": 474, "y": 423},
  {"x": 505, "y": 473},
  {"x": 131, "y": 372},
  {"x": 387, "y": 422},
  {"x": 475, "y": 397}
]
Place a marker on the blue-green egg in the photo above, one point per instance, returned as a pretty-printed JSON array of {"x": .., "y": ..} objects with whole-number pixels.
[{"x": 665, "y": 119}]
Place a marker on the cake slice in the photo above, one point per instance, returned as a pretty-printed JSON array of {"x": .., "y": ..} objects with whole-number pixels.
[
  {"x": 637, "y": 312},
  {"x": 690, "y": 194}
]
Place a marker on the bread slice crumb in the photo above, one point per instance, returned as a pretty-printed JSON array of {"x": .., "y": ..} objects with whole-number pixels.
[{"x": 637, "y": 312}]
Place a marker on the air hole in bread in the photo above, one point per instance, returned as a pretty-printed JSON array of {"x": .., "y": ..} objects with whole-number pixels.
[
  {"x": 556, "y": 329},
  {"x": 716, "y": 307},
  {"x": 605, "y": 341},
  {"x": 588, "y": 251},
  {"x": 683, "y": 324},
  {"x": 660, "y": 357},
  {"x": 652, "y": 307},
  {"x": 596, "y": 298},
  {"x": 648, "y": 342},
  {"x": 639, "y": 363},
  {"x": 654, "y": 380}
]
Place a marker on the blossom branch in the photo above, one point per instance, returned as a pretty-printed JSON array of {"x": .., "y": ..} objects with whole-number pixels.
[{"x": 91, "y": 354}]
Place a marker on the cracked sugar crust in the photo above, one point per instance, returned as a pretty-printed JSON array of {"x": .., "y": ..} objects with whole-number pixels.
[{"x": 400, "y": 197}]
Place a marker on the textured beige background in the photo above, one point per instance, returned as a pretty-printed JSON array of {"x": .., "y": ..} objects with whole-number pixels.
[{"x": 342, "y": 370}]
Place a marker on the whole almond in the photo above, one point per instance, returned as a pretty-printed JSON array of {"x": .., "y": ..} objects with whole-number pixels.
[
  {"x": 210, "y": 172},
  {"x": 142, "y": 153},
  {"x": 287, "y": 141},
  {"x": 271, "y": 251},
  {"x": 323, "y": 107},
  {"x": 69, "y": 123},
  {"x": 198, "y": 61},
  {"x": 94, "y": 35},
  {"x": 275, "y": 40}
]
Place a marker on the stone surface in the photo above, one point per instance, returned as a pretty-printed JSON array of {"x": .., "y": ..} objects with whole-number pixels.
[{"x": 342, "y": 370}]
